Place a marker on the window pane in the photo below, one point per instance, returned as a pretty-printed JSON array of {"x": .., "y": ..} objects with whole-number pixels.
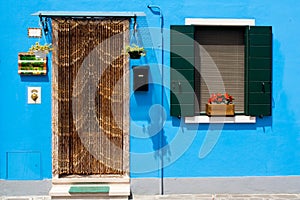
[{"x": 220, "y": 61}]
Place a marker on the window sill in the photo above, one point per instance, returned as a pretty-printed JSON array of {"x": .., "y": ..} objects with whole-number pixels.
[{"x": 220, "y": 120}]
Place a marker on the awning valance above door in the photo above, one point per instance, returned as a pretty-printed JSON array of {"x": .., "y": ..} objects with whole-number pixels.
[{"x": 71, "y": 14}]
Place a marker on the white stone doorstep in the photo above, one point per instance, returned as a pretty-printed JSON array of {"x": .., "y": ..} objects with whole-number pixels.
[{"x": 62, "y": 190}]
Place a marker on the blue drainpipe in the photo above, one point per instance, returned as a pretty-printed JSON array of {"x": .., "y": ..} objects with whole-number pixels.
[{"x": 153, "y": 9}]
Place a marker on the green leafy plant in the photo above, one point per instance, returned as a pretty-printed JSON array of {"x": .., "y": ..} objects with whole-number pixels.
[
  {"x": 27, "y": 57},
  {"x": 38, "y": 47},
  {"x": 218, "y": 98},
  {"x": 136, "y": 49}
]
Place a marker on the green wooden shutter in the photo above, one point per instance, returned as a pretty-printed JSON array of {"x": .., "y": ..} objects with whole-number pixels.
[
  {"x": 258, "y": 71},
  {"x": 182, "y": 70}
]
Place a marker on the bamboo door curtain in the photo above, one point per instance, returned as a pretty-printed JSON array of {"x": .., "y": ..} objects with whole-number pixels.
[{"x": 90, "y": 95}]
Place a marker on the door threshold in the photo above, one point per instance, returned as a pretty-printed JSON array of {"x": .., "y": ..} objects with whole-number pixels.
[{"x": 91, "y": 179}]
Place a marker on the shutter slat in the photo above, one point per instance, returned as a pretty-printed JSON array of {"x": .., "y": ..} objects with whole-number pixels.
[
  {"x": 182, "y": 71},
  {"x": 259, "y": 71}
]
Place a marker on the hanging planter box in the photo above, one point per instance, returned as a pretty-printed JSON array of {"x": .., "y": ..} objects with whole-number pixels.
[
  {"x": 135, "y": 51},
  {"x": 220, "y": 109},
  {"x": 29, "y": 64},
  {"x": 135, "y": 54}
]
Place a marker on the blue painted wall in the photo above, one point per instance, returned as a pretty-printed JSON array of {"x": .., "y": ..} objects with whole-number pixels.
[{"x": 268, "y": 148}]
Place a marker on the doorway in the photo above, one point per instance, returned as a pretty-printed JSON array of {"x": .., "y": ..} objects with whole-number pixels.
[{"x": 90, "y": 97}]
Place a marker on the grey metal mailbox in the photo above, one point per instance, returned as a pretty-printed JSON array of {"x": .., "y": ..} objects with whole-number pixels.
[{"x": 140, "y": 78}]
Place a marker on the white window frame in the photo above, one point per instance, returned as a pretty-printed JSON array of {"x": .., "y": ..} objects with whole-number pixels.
[{"x": 220, "y": 22}]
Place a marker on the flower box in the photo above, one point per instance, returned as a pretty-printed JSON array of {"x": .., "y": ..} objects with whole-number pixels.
[
  {"x": 220, "y": 109},
  {"x": 29, "y": 64}
]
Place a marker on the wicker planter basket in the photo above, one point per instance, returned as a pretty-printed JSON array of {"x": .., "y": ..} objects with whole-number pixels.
[
  {"x": 135, "y": 54},
  {"x": 220, "y": 109}
]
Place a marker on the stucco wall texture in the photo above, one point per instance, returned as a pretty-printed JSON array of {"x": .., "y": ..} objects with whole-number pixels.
[{"x": 269, "y": 147}]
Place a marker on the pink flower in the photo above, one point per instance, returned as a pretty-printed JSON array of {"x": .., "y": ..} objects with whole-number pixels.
[{"x": 219, "y": 98}]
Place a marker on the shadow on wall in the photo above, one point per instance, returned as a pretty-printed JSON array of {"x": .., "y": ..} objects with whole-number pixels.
[
  {"x": 153, "y": 115},
  {"x": 260, "y": 122},
  {"x": 156, "y": 132},
  {"x": 35, "y": 78}
]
